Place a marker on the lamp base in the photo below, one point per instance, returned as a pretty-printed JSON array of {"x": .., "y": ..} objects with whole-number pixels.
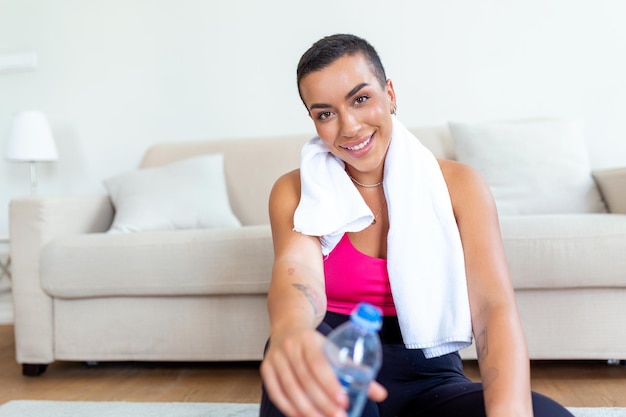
[{"x": 33, "y": 177}]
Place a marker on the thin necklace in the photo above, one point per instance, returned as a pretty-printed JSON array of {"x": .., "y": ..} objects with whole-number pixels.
[
  {"x": 360, "y": 184},
  {"x": 379, "y": 211}
]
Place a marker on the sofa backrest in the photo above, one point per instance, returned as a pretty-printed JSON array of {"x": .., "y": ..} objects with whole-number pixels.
[
  {"x": 437, "y": 139},
  {"x": 253, "y": 165}
]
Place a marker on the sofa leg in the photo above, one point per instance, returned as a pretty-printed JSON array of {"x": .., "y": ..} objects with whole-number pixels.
[{"x": 33, "y": 369}]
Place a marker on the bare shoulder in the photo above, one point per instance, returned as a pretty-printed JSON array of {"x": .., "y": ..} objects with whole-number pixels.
[
  {"x": 289, "y": 177},
  {"x": 456, "y": 172},
  {"x": 286, "y": 188},
  {"x": 466, "y": 186},
  {"x": 297, "y": 247},
  {"x": 283, "y": 201}
]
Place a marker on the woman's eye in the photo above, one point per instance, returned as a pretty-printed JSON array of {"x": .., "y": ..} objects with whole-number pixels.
[
  {"x": 323, "y": 115},
  {"x": 361, "y": 99}
]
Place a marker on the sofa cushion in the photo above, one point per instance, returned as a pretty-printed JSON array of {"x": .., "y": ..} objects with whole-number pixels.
[
  {"x": 187, "y": 194},
  {"x": 533, "y": 167},
  {"x": 172, "y": 263},
  {"x": 251, "y": 166},
  {"x": 566, "y": 251}
]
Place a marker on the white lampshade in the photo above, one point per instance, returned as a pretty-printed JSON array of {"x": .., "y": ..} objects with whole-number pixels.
[{"x": 31, "y": 138}]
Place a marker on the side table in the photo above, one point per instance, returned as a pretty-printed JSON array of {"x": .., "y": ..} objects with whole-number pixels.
[
  {"x": 5, "y": 264},
  {"x": 6, "y": 298}
]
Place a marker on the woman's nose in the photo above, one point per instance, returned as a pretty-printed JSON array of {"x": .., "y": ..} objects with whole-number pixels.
[{"x": 349, "y": 125}]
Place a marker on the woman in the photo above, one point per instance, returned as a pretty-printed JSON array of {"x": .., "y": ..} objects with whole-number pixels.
[{"x": 372, "y": 216}]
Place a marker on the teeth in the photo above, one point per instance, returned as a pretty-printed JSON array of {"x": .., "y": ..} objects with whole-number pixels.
[{"x": 360, "y": 145}]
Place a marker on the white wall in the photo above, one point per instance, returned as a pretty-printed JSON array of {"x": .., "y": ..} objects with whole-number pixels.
[{"x": 116, "y": 76}]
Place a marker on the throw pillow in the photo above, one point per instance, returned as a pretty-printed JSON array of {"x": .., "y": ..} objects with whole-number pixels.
[
  {"x": 532, "y": 167},
  {"x": 188, "y": 194}
]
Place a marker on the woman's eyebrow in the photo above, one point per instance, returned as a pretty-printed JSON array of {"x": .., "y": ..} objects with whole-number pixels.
[
  {"x": 319, "y": 106},
  {"x": 355, "y": 90},
  {"x": 350, "y": 94}
]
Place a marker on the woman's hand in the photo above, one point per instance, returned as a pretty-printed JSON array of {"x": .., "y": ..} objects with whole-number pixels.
[{"x": 300, "y": 381}]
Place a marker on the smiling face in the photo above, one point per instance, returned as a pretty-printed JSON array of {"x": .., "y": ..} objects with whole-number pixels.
[{"x": 352, "y": 113}]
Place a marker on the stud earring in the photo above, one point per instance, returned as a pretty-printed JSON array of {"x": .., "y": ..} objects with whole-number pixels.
[{"x": 394, "y": 108}]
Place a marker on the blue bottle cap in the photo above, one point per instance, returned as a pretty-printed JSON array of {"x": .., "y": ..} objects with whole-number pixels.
[{"x": 367, "y": 316}]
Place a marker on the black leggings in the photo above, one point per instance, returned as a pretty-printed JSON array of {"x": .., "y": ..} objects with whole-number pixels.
[{"x": 422, "y": 387}]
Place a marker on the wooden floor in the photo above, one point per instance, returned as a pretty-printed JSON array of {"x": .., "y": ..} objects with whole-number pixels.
[{"x": 575, "y": 384}]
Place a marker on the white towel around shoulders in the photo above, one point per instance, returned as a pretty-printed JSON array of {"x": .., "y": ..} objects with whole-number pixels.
[{"x": 424, "y": 252}]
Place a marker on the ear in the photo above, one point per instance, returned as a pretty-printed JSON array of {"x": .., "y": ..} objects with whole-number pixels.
[{"x": 391, "y": 94}]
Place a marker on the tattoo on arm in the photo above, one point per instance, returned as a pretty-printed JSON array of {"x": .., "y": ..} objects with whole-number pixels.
[
  {"x": 488, "y": 375},
  {"x": 312, "y": 296},
  {"x": 481, "y": 345}
]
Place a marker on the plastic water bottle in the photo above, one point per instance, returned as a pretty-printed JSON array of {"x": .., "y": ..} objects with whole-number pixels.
[{"x": 355, "y": 353}]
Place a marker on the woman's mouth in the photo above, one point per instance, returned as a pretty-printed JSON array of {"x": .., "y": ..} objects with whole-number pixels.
[{"x": 359, "y": 146}]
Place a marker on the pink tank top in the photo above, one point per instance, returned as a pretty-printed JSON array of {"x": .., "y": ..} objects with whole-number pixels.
[{"x": 352, "y": 277}]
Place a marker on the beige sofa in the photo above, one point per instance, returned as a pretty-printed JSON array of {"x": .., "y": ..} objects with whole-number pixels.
[{"x": 199, "y": 295}]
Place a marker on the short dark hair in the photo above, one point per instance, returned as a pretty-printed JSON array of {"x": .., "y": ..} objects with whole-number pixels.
[{"x": 330, "y": 48}]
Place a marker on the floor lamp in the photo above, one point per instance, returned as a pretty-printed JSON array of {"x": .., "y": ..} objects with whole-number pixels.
[{"x": 31, "y": 141}]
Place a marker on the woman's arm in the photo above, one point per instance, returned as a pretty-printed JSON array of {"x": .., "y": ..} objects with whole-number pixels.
[
  {"x": 297, "y": 285},
  {"x": 296, "y": 375},
  {"x": 500, "y": 343}
]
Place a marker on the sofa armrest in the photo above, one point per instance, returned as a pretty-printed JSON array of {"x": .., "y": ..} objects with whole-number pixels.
[
  {"x": 33, "y": 222},
  {"x": 612, "y": 185}
]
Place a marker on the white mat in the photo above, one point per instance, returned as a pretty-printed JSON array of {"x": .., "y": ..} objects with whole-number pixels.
[
  {"x": 125, "y": 409},
  {"x": 142, "y": 409}
]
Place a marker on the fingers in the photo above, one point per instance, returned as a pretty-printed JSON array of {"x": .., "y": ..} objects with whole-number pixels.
[
  {"x": 377, "y": 392},
  {"x": 300, "y": 381},
  {"x": 275, "y": 391},
  {"x": 300, "y": 386},
  {"x": 322, "y": 384}
]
